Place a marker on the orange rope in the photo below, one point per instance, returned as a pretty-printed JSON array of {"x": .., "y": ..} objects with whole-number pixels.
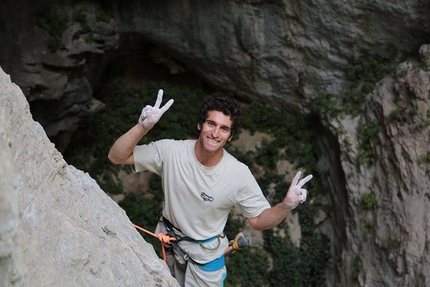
[{"x": 164, "y": 238}]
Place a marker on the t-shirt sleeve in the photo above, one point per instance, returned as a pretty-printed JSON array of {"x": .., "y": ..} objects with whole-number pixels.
[
  {"x": 250, "y": 197},
  {"x": 148, "y": 157}
]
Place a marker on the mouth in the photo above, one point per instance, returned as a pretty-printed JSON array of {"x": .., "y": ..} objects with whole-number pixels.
[{"x": 212, "y": 141}]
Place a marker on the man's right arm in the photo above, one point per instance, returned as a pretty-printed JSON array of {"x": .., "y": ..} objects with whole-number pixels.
[{"x": 122, "y": 150}]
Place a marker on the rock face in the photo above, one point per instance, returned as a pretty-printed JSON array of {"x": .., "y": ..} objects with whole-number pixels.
[
  {"x": 275, "y": 50},
  {"x": 270, "y": 51},
  {"x": 381, "y": 209},
  {"x": 53, "y": 64},
  {"x": 58, "y": 228}
]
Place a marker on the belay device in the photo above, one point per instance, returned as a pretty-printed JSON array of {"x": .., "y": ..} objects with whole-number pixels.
[{"x": 241, "y": 240}]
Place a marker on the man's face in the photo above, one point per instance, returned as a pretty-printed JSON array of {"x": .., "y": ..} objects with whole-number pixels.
[{"x": 215, "y": 131}]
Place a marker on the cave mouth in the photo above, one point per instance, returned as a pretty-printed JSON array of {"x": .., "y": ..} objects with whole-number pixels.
[{"x": 135, "y": 63}]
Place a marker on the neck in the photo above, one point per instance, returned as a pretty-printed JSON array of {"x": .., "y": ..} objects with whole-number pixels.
[{"x": 208, "y": 159}]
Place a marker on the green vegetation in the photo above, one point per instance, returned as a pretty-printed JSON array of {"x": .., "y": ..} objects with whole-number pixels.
[
  {"x": 102, "y": 16},
  {"x": 417, "y": 65},
  {"x": 363, "y": 75},
  {"x": 413, "y": 110},
  {"x": 425, "y": 123},
  {"x": 81, "y": 18},
  {"x": 367, "y": 225},
  {"x": 396, "y": 115},
  {"x": 357, "y": 267},
  {"x": 326, "y": 104},
  {"x": 392, "y": 242},
  {"x": 290, "y": 140},
  {"x": 369, "y": 200},
  {"x": 248, "y": 268},
  {"x": 55, "y": 25},
  {"x": 425, "y": 158},
  {"x": 54, "y": 44},
  {"x": 367, "y": 132},
  {"x": 297, "y": 266}
]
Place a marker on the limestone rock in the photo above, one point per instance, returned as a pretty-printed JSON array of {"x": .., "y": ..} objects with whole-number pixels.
[
  {"x": 53, "y": 70},
  {"x": 387, "y": 239},
  {"x": 58, "y": 228},
  {"x": 270, "y": 51}
]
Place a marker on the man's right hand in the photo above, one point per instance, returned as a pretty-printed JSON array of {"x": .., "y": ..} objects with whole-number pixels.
[{"x": 151, "y": 115}]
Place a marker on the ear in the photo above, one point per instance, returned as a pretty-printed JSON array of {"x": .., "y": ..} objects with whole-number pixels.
[
  {"x": 229, "y": 139},
  {"x": 199, "y": 127}
]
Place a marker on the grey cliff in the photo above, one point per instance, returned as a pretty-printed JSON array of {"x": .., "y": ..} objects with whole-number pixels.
[
  {"x": 58, "y": 228},
  {"x": 277, "y": 52}
]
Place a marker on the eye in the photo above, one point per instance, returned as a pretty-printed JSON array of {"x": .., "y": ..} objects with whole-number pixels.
[{"x": 225, "y": 129}]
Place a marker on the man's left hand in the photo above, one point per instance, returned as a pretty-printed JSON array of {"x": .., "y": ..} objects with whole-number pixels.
[{"x": 296, "y": 194}]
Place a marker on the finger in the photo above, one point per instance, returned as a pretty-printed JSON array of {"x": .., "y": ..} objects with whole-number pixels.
[
  {"x": 304, "y": 181},
  {"x": 302, "y": 198},
  {"x": 143, "y": 114},
  {"x": 304, "y": 194},
  {"x": 296, "y": 178},
  {"x": 167, "y": 106},
  {"x": 159, "y": 99},
  {"x": 298, "y": 199}
]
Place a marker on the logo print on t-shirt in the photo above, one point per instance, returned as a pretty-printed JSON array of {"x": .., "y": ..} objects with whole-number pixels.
[{"x": 206, "y": 197}]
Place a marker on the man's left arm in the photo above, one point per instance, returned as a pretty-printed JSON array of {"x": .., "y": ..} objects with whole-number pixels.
[{"x": 273, "y": 216}]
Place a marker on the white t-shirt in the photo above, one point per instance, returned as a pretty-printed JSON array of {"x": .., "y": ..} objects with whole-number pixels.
[{"x": 198, "y": 199}]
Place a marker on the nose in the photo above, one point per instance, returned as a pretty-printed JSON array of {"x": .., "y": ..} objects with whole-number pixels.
[{"x": 215, "y": 132}]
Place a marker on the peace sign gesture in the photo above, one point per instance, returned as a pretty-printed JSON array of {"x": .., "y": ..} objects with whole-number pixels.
[
  {"x": 296, "y": 194},
  {"x": 151, "y": 115}
]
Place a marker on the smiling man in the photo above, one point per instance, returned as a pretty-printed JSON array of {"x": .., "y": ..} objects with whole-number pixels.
[{"x": 202, "y": 182}]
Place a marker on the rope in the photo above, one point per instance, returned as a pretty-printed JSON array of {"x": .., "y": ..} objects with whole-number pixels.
[{"x": 164, "y": 238}]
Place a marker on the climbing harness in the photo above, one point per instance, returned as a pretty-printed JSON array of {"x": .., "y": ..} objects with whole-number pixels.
[
  {"x": 172, "y": 238},
  {"x": 171, "y": 231},
  {"x": 170, "y": 228}
]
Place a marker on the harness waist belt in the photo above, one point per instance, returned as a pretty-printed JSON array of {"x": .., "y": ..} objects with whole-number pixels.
[
  {"x": 199, "y": 241},
  {"x": 171, "y": 229}
]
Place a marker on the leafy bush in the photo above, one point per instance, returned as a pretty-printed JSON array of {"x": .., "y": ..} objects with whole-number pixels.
[
  {"x": 297, "y": 267},
  {"x": 248, "y": 268}
]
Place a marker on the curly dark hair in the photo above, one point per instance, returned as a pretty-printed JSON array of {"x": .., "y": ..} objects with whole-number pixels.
[{"x": 228, "y": 106}]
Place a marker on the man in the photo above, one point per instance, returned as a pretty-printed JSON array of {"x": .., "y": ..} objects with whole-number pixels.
[{"x": 201, "y": 183}]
